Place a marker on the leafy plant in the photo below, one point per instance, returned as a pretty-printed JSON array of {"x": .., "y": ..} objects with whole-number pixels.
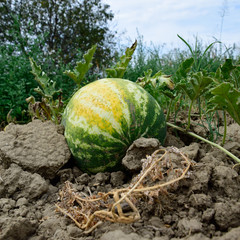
[
  {"x": 194, "y": 87},
  {"x": 119, "y": 69},
  {"x": 226, "y": 97},
  {"x": 155, "y": 84},
  {"x": 181, "y": 73},
  {"x": 82, "y": 67},
  {"x": 225, "y": 93},
  {"x": 51, "y": 106}
]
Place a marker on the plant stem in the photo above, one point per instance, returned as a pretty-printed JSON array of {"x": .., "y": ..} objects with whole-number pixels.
[
  {"x": 205, "y": 140},
  {"x": 189, "y": 114},
  {"x": 225, "y": 128},
  {"x": 169, "y": 109}
]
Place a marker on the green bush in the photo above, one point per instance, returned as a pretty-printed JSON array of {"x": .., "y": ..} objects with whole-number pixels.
[{"x": 16, "y": 83}]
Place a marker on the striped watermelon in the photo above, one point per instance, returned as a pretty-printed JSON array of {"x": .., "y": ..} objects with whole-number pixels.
[{"x": 104, "y": 117}]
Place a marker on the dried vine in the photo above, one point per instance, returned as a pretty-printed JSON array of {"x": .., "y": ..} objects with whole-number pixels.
[{"x": 158, "y": 173}]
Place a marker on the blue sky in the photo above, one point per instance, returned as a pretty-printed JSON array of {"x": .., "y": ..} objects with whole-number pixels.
[{"x": 159, "y": 21}]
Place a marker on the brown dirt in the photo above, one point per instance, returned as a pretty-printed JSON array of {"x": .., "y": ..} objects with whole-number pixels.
[{"x": 35, "y": 163}]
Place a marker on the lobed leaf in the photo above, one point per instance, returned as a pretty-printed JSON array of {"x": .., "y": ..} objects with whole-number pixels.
[
  {"x": 156, "y": 81},
  {"x": 226, "y": 97},
  {"x": 47, "y": 86},
  {"x": 82, "y": 67},
  {"x": 196, "y": 85},
  {"x": 119, "y": 69},
  {"x": 227, "y": 68},
  {"x": 49, "y": 108},
  {"x": 184, "y": 68}
]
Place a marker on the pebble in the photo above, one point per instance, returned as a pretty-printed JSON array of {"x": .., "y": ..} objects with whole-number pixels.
[{"x": 21, "y": 201}]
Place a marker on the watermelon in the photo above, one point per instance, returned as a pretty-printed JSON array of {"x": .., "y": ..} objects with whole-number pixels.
[{"x": 103, "y": 118}]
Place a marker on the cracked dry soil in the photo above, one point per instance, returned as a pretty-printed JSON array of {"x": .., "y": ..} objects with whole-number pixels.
[{"x": 35, "y": 162}]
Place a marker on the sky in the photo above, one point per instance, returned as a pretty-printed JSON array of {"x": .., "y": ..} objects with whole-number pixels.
[{"x": 159, "y": 21}]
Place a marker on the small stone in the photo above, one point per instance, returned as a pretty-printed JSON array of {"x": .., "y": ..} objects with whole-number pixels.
[
  {"x": 83, "y": 179},
  {"x": 101, "y": 178},
  {"x": 193, "y": 225},
  {"x": 200, "y": 200},
  {"x": 208, "y": 215},
  {"x": 117, "y": 178},
  {"x": 10, "y": 203},
  {"x": 191, "y": 151},
  {"x": 65, "y": 175},
  {"x": 21, "y": 201},
  {"x": 155, "y": 221},
  {"x": 74, "y": 231},
  {"x": 76, "y": 172},
  {"x": 167, "y": 219},
  {"x": 227, "y": 214},
  {"x": 17, "y": 228},
  {"x": 19, "y": 183}
]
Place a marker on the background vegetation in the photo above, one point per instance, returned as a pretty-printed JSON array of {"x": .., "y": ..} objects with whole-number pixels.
[{"x": 57, "y": 33}]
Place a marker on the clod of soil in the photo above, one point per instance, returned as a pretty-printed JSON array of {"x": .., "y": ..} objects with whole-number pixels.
[
  {"x": 137, "y": 151},
  {"x": 38, "y": 147}
]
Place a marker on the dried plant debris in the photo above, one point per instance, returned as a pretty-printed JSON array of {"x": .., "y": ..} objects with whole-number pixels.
[{"x": 159, "y": 173}]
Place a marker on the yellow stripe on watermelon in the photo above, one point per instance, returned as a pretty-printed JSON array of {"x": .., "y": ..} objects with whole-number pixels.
[{"x": 103, "y": 118}]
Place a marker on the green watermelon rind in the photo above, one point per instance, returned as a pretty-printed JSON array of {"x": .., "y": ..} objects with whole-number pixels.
[{"x": 94, "y": 149}]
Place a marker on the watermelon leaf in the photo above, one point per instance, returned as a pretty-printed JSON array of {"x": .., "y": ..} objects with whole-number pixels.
[
  {"x": 227, "y": 68},
  {"x": 227, "y": 98},
  {"x": 82, "y": 67},
  {"x": 228, "y": 72},
  {"x": 156, "y": 81},
  {"x": 196, "y": 85},
  {"x": 184, "y": 68},
  {"x": 119, "y": 69}
]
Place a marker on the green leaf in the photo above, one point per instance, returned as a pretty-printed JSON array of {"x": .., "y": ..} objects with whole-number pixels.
[
  {"x": 169, "y": 94},
  {"x": 82, "y": 67},
  {"x": 188, "y": 45},
  {"x": 119, "y": 69},
  {"x": 156, "y": 81},
  {"x": 196, "y": 85},
  {"x": 226, "y": 97},
  {"x": 184, "y": 68},
  {"x": 227, "y": 68},
  {"x": 159, "y": 79},
  {"x": 48, "y": 108},
  {"x": 47, "y": 86}
]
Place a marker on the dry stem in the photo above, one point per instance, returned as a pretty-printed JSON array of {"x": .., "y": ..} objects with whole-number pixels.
[{"x": 90, "y": 211}]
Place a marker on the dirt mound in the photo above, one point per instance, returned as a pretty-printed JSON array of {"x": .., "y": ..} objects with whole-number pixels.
[
  {"x": 35, "y": 163},
  {"x": 38, "y": 147}
]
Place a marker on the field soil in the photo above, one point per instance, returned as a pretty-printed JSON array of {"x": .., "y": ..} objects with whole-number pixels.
[{"x": 35, "y": 164}]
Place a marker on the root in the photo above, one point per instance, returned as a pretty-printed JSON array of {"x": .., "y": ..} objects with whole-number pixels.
[{"x": 156, "y": 176}]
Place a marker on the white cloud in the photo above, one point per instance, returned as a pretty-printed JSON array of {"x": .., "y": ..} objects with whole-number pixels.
[{"x": 160, "y": 21}]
